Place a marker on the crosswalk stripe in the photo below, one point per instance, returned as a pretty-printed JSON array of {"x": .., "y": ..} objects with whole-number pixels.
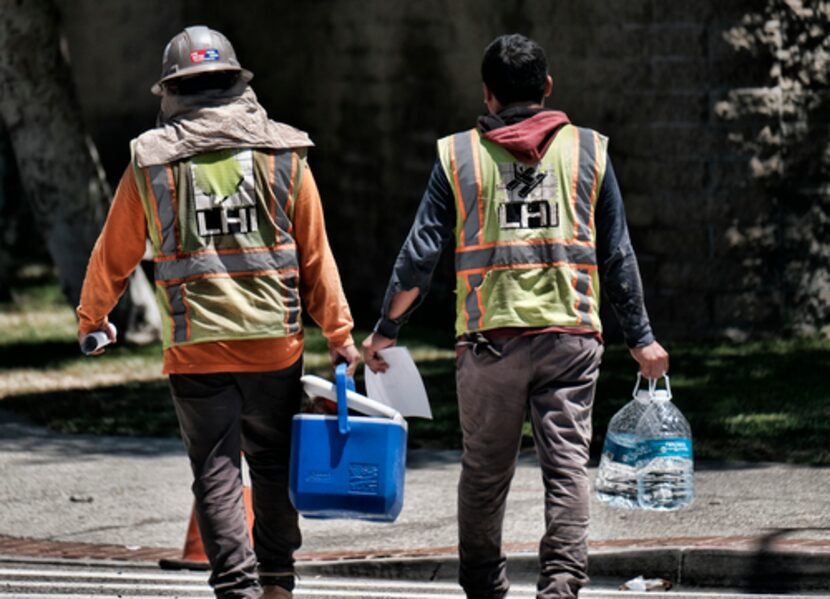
[
  {"x": 119, "y": 575},
  {"x": 300, "y": 593},
  {"x": 91, "y": 586},
  {"x": 39, "y": 582},
  {"x": 392, "y": 588},
  {"x": 386, "y": 584},
  {"x": 18, "y": 595},
  {"x": 606, "y": 594}
]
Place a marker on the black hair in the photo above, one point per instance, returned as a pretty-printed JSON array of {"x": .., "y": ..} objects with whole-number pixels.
[
  {"x": 216, "y": 80},
  {"x": 514, "y": 68}
]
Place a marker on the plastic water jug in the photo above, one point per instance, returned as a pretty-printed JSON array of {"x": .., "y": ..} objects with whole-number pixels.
[
  {"x": 347, "y": 466},
  {"x": 666, "y": 473},
  {"x": 616, "y": 483}
]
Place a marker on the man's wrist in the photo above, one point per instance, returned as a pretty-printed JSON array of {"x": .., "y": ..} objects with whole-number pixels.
[
  {"x": 645, "y": 339},
  {"x": 341, "y": 341},
  {"x": 388, "y": 327}
]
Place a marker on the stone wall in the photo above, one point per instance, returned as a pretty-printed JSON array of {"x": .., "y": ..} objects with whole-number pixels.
[
  {"x": 782, "y": 126},
  {"x": 376, "y": 82}
]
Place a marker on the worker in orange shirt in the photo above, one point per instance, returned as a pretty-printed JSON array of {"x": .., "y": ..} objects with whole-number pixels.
[{"x": 230, "y": 207}]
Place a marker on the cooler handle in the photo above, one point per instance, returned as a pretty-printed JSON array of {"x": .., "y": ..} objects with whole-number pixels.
[{"x": 343, "y": 383}]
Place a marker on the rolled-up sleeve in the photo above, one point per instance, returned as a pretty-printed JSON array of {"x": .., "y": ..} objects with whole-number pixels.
[{"x": 431, "y": 232}]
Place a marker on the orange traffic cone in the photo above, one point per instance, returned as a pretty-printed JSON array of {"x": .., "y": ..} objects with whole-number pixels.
[{"x": 193, "y": 554}]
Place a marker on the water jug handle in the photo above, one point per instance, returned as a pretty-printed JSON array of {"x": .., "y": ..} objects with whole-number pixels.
[
  {"x": 652, "y": 385},
  {"x": 637, "y": 385},
  {"x": 344, "y": 383}
]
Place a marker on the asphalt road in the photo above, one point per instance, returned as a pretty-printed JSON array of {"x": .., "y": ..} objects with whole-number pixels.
[{"x": 135, "y": 492}]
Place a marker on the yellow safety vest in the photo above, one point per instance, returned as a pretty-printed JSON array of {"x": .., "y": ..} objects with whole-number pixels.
[
  {"x": 225, "y": 259},
  {"x": 525, "y": 237}
]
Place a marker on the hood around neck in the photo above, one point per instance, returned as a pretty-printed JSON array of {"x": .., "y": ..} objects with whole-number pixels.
[
  {"x": 213, "y": 120},
  {"x": 525, "y": 132}
]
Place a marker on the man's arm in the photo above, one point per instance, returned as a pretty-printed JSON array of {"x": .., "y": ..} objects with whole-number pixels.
[
  {"x": 319, "y": 280},
  {"x": 116, "y": 254},
  {"x": 620, "y": 275},
  {"x": 412, "y": 274}
]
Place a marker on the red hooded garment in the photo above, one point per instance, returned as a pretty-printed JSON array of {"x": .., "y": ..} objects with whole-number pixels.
[{"x": 529, "y": 138}]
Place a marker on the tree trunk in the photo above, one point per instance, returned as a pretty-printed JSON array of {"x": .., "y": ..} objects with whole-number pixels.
[
  {"x": 6, "y": 218},
  {"x": 56, "y": 160}
]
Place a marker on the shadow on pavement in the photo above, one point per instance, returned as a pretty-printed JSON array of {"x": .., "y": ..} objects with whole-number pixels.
[
  {"x": 728, "y": 466},
  {"x": 134, "y": 409},
  {"x": 772, "y": 570},
  {"x": 42, "y": 445},
  {"x": 432, "y": 458},
  {"x": 42, "y": 353}
]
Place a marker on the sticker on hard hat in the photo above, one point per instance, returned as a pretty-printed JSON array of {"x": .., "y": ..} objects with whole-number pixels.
[{"x": 206, "y": 55}]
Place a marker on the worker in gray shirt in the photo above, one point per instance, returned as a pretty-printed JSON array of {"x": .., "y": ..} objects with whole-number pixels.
[{"x": 536, "y": 214}]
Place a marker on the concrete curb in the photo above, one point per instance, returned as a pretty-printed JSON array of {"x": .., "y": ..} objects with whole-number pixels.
[
  {"x": 79, "y": 562},
  {"x": 749, "y": 571},
  {"x": 759, "y": 571},
  {"x": 132, "y": 574}
]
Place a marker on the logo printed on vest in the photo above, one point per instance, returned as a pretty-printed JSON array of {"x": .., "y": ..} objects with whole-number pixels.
[
  {"x": 525, "y": 180},
  {"x": 224, "y": 196},
  {"x": 529, "y": 194},
  {"x": 225, "y": 221},
  {"x": 528, "y": 215}
]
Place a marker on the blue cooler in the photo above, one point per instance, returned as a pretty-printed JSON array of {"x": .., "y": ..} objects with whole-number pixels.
[{"x": 347, "y": 466}]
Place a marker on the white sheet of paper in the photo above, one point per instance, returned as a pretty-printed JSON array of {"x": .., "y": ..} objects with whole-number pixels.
[{"x": 400, "y": 387}]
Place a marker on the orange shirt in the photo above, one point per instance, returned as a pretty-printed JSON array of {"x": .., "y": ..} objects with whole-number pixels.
[{"x": 121, "y": 246}]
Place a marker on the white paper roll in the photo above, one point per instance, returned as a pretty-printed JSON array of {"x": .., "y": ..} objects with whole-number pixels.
[{"x": 95, "y": 341}]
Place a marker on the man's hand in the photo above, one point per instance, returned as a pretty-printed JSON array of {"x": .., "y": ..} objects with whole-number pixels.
[
  {"x": 110, "y": 331},
  {"x": 347, "y": 353},
  {"x": 371, "y": 346},
  {"x": 653, "y": 360}
]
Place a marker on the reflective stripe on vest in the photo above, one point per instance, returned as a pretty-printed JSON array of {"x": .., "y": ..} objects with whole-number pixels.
[
  {"x": 283, "y": 176},
  {"x": 518, "y": 218},
  {"x": 226, "y": 265},
  {"x": 161, "y": 182},
  {"x": 206, "y": 264},
  {"x": 292, "y": 304},
  {"x": 467, "y": 180},
  {"x": 586, "y": 185},
  {"x": 178, "y": 312},
  {"x": 523, "y": 254},
  {"x": 472, "y": 303},
  {"x": 582, "y": 286}
]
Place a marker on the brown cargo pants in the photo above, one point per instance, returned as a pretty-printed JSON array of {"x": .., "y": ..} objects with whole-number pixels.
[
  {"x": 221, "y": 415},
  {"x": 553, "y": 375}
]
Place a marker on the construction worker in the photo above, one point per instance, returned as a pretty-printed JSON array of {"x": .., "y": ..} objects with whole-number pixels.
[
  {"x": 536, "y": 214},
  {"x": 230, "y": 207}
]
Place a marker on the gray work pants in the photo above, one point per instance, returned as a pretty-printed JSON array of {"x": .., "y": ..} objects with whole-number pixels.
[
  {"x": 221, "y": 415},
  {"x": 554, "y": 375}
]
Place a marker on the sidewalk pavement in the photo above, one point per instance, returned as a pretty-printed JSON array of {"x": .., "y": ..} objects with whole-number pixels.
[{"x": 129, "y": 499}]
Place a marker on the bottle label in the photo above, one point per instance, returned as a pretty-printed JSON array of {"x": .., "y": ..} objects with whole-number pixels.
[
  {"x": 677, "y": 447},
  {"x": 628, "y": 455}
]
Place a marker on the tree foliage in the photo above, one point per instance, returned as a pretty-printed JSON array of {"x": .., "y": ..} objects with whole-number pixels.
[{"x": 783, "y": 127}]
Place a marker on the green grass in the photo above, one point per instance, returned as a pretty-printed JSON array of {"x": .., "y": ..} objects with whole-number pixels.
[
  {"x": 755, "y": 401},
  {"x": 44, "y": 377}
]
